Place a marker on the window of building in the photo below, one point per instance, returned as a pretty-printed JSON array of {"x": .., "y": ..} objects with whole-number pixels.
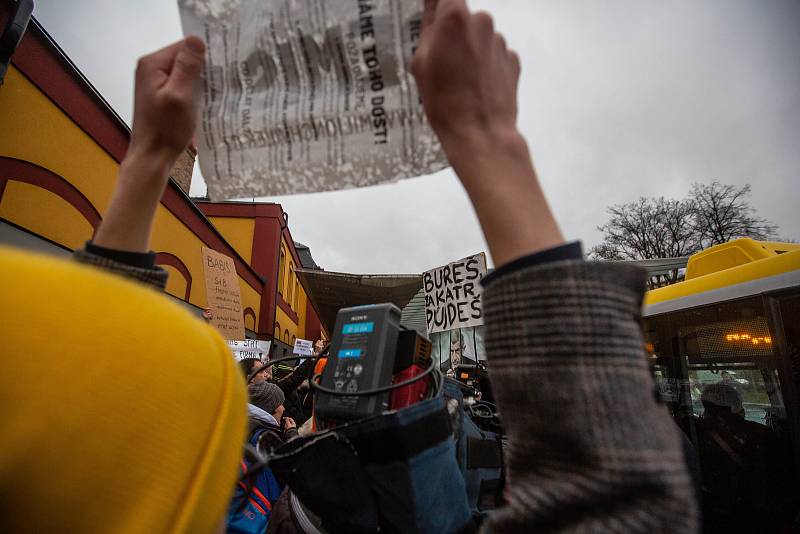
[
  {"x": 280, "y": 272},
  {"x": 290, "y": 289}
]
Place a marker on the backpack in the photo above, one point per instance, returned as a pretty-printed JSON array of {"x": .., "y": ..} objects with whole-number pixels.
[
  {"x": 424, "y": 469},
  {"x": 253, "y": 497}
]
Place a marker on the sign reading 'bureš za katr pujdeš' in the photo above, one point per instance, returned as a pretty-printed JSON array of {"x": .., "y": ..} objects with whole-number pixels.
[{"x": 453, "y": 294}]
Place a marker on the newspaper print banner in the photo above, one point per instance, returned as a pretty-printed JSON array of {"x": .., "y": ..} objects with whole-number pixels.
[
  {"x": 453, "y": 294},
  {"x": 299, "y": 97}
]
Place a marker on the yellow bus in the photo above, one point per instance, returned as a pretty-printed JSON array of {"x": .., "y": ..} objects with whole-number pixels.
[{"x": 725, "y": 348}]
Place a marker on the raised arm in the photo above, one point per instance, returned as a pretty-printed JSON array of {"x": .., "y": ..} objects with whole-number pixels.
[
  {"x": 468, "y": 82},
  {"x": 590, "y": 449},
  {"x": 163, "y": 125}
]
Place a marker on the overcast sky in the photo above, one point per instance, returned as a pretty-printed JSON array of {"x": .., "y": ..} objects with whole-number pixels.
[{"x": 619, "y": 99}]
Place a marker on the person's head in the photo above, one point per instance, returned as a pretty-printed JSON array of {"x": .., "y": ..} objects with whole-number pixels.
[
  {"x": 268, "y": 397},
  {"x": 456, "y": 347},
  {"x": 251, "y": 365},
  {"x": 722, "y": 399}
]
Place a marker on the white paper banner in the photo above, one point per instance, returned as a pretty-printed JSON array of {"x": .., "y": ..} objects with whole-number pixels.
[
  {"x": 303, "y": 347},
  {"x": 243, "y": 349},
  {"x": 309, "y": 96}
]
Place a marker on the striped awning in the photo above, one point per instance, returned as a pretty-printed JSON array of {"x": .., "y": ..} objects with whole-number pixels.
[{"x": 332, "y": 291}]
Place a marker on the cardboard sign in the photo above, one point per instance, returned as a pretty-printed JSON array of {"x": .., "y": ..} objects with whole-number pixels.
[
  {"x": 303, "y": 347},
  {"x": 453, "y": 294},
  {"x": 223, "y": 294},
  {"x": 244, "y": 349}
]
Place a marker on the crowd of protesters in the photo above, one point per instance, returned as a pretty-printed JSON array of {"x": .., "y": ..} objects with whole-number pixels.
[{"x": 589, "y": 447}]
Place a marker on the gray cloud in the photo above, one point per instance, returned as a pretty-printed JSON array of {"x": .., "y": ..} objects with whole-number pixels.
[{"x": 618, "y": 99}]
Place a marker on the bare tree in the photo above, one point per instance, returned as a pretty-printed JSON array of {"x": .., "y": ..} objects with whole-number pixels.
[
  {"x": 664, "y": 228},
  {"x": 723, "y": 212},
  {"x": 649, "y": 228}
]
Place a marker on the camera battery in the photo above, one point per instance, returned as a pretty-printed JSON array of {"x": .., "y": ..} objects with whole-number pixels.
[{"x": 362, "y": 357}]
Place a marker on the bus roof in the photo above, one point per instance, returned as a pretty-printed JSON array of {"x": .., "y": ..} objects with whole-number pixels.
[{"x": 735, "y": 269}]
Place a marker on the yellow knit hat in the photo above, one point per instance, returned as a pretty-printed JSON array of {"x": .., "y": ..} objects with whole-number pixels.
[{"x": 119, "y": 411}]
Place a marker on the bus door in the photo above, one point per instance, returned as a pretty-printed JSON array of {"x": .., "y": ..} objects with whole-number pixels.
[{"x": 719, "y": 368}]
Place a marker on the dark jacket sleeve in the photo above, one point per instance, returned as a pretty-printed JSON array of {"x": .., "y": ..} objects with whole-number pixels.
[
  {"x": 290, "y": 433},
  {"x": 293, "y": 381},
  {"x": 590, "y": 449},
  {"x": 155, "y": 276}
]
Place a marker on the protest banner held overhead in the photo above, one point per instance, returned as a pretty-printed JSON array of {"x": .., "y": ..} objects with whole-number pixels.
[
  {"x": 223, "y": 294},
  {"x": 244, "y": 349},
  {"x": 453, "y": 294},
  {"x": 309, "y": 96},
  {"x": 303, "y": 347}
]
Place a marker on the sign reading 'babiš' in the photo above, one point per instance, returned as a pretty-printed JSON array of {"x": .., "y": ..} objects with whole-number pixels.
[
  {"x": 453, "y": 294},
  {"x": 223, "y": 294}
]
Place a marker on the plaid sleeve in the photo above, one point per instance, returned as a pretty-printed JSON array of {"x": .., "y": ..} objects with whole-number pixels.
[
  {"x": 590, "y": 449},
  {"x": 155, "y": 277}
]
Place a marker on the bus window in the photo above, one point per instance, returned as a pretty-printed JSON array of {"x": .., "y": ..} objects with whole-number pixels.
[
  {"x": 717, "y": 368},
  {"x": 790, "y": 319}
]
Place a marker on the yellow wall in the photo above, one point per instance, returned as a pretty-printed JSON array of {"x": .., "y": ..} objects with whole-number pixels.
[
  {"x": 37, "y": 131},
  {"x": 294, "y": 294},
  {"x": 238, "y": 232},
  {"x": 176, "y": 284},
  {"x": 25, "y": 205}
]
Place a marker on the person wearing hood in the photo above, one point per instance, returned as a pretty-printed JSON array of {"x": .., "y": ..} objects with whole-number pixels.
[{"x": 266, "y": 410}]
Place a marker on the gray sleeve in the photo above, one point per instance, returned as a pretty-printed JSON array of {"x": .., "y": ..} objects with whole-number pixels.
[
  {"x": 155, "y": 277},
  {"x": 590, "y": 449}
]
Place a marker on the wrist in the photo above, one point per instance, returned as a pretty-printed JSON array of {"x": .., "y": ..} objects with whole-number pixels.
[
  {"x": 129, "y": 217},
  {"x": 147, "y": 167},
  {"x": 498, "y": 175},
  {"x": 478, "y": 156}
]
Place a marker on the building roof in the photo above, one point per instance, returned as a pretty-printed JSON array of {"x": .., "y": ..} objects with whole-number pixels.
[
  {"x": 306, "y": 260},
  {"x": 660, "y": 266},
  {"x": 332, "y": 291},
  {"x": 413, "y": 315}
]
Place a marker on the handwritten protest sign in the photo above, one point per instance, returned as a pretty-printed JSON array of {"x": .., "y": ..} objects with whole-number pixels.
[
  {"x": 453, "y": 294},
  {"x": 244, "y": 349},
  {"x": 309, "y": 96},
  {"x": 303, "y": 347},
  {"x": 223, "y": 294}
]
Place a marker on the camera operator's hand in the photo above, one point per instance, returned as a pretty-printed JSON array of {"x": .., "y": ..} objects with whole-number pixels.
[
  {"x": 288, "y": 423},
  {"x": 468, "y": 82},
  {"x": 163, "y": 125}
]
